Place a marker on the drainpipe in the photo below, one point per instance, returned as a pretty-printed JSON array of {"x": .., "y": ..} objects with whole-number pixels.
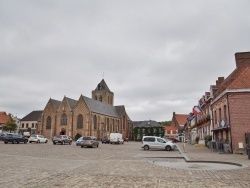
[{"x": 229, "y": 121}]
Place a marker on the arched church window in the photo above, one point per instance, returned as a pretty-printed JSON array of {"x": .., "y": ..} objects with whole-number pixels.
[
  {"x": 48, "y": 123},
  {"x": 95, "y": 122},
  {"x": 80, "y": 121},
  {"x": 63, "y": 119},
  {"x": 107, "y": 124}
]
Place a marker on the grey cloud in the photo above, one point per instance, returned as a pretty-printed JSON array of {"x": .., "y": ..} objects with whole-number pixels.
[{"x": 157, "y": 56}]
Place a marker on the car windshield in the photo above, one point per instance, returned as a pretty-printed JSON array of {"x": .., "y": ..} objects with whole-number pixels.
[{"x": 86, "y": 138}]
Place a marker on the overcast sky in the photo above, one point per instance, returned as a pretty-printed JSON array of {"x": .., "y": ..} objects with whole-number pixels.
[{"x": 158, "y": 57}]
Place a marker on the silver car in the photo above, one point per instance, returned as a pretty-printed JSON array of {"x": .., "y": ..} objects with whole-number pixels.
[
  {"x": 79, "y": 140},
  {"x": 153, "y": 142},
  {"x": 89, "y": 141}
]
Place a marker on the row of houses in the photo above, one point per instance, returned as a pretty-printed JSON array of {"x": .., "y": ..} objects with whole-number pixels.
[{"x": 222, "y": 112}]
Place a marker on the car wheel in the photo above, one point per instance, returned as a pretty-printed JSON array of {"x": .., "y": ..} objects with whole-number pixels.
[
  {"x": 97, "y": 145},
  {"x": 146, "y": 147},
  {"x": 6, "y": 142},
  {"x": 30, "y": 142},
  {"x": 168, "y": 148},
  {"x": 25, "y": 142},
  {"x": 54, "y": 143},
  {"x": 81, "y": 146},
  {"x": 38, "y": 141},
  {"x": 46, "y": 141}
]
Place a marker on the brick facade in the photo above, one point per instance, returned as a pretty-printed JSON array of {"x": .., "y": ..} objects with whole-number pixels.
[{"x": 99, "y": 118}]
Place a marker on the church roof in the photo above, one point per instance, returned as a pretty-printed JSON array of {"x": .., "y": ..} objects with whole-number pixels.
[
  {"x": 100, "y": 107},
  {"x": 56, "y": 103},
  {"x": 102, "y": 86},
  {"x": 72, "y": 102}
]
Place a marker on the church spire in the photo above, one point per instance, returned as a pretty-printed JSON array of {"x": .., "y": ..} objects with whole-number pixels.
[
  {"x": 102, "y": 86},
  {"x": 102, "y": 93}
]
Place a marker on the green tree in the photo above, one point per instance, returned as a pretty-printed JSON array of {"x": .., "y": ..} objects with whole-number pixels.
[
  {"x": 165, "y": 123},
  {"x": 10, "y": 125}
]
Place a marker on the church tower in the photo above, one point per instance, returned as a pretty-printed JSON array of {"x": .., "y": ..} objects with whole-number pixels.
[{"x": 103, "y": 94}]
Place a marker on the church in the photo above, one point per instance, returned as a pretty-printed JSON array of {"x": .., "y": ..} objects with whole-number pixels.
[{"x": 96, "y": 116}]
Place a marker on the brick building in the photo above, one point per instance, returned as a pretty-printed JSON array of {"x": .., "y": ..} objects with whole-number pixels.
[
  {"x": 231, "y": 104},
  {"x": 4, "y": 118},
  {"x": 85, "y": 116},
  {"x": 179, "y": 121}
]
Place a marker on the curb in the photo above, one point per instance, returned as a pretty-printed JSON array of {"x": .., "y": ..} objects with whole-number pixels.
[{"x": 195, "y": 161}]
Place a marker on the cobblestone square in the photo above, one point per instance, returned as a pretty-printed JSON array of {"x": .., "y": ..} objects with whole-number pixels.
[{"x": 127, "y": 165}]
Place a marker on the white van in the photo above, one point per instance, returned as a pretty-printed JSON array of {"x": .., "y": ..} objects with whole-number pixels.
[{"x": 116, "y": 138}]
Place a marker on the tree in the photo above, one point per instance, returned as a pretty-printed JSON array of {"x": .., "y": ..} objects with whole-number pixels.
[
  {"x": 10, "y": 125},
  {"x": 165, "y": 123}
]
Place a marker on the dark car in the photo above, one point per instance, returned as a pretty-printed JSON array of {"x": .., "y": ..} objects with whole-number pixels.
[
  {"x": 61, "y": 139},
  {"x": 125, "y": 139},
  {"x": 2, "y": 135},
  {"x": 105, "y": 141},
  {"x": 15, "y": 139}
]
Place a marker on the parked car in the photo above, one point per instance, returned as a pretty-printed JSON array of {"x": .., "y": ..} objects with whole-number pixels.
[
  {"x": 173, "y": 139},
  {"x": 105, "y": 141},
  {"x": 125, "y": 139},
  {"x": 61, "y": 139},
  {"x": 3, "y": 135},
  {"x": 116, "y": 138},
  {"x": 79, "y": 140},
  {"x": 15, "y": 139},
  {"x": 153, "y": 142},
  {"x": 89, "y": 141},
  {"x": 38, "y": 138}
]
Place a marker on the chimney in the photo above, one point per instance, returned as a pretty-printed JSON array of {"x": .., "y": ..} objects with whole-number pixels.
[
  {"x": 219, "y": 81},
  {"x": 242, "y": 59}
]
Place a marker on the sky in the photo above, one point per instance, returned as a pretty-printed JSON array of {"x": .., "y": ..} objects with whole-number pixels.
[{"x": 157, "y": 56}]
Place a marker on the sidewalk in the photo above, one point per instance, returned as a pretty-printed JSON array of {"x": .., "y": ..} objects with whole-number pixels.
[{"x": 202, "y": 153}]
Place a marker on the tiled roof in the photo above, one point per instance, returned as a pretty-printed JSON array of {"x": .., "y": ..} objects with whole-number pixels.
[
  {"x": 242, "y": 81},
  {"x": 4, "y": 118},
  {"x": 238, "y": 79},
  {"x": 181, "y": 118},
  {"x": 33, "y": 116},
  {"x": 168, "y": 128}
]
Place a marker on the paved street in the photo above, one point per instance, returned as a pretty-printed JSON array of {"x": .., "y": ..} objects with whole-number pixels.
[{"x": 127, "y": 165}]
